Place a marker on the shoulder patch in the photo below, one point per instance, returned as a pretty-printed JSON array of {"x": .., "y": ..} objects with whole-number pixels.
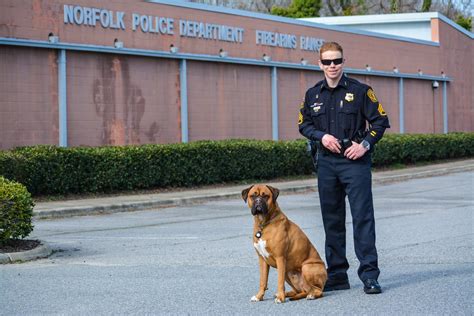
[
  {"x": 300, "y": 118},
  {"x": 381, "y": 110},
  {"x": 371, "y": 95}
]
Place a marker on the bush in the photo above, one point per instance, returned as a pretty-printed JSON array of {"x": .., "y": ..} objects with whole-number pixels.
[
  {"x": 16, "y": 210},
  {"x": 412, "y": 148},
  {"x": 47, "y": 170}
]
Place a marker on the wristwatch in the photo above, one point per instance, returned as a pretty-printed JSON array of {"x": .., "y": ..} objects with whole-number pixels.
[{"x": 365, "y": 144}]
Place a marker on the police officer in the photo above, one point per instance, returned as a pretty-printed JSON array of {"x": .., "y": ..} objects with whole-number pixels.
[{"x": 335, "y": 114}]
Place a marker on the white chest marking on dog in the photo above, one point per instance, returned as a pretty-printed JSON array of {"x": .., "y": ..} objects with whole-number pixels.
[{"x": 260, "y": 247}]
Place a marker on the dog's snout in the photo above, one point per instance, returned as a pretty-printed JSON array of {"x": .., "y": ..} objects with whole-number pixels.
[{"x": 259, "y": 205}]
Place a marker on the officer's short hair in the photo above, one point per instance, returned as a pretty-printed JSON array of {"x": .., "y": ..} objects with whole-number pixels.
[{"x": 330, "y": 46}]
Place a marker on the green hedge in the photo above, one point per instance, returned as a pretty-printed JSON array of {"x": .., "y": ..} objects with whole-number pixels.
[
  {"x": 16, "y": 211},
  {"x": 412, "y": 148},
  {"x": 55, "y": 170},
  {"x": 52, "y": 170}
]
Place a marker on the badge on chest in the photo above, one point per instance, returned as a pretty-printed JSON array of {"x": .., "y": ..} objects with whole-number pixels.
[{"x": 316, "y": 106}]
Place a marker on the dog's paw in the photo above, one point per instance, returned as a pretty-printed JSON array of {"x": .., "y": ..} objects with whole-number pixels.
[
  {"x": 255, "y": 299},
  {"x": 279, "y": 301},
  {"x": 310, "y": 297},
  {"x": 280, "y": 298}
]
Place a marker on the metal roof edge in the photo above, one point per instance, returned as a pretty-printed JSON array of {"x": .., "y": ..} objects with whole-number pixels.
[
  {"x": 455, "y": 25},
  {"x": 202, "y": 57},
  {"x": 378, "y": 18}
]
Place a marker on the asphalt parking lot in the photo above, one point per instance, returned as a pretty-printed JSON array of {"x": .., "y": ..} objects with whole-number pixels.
[{"x": 199, "y": 259}]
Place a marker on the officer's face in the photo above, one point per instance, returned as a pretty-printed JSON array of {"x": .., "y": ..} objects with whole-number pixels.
[{"x": 332, "y": 71}]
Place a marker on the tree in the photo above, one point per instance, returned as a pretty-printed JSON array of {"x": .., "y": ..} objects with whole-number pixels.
[
  {"x": 264, "y": 6},
  {"x": 464, "y": 22},
  {"x": 395, "y": 6},
  {"x": 299, "y": 9},
  {"x": 456, "y": 10},
  {"x": 344, "y": 7},
  {"x": 426, "y": 6}
]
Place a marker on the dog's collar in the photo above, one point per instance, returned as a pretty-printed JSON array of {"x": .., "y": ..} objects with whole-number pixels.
[{"x": 258, "y": 234}]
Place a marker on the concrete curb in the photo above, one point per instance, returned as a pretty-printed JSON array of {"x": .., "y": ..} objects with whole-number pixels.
[
  {"x": 129, "y": 207},
  {"x": 152, "y": 204},
  {"x": 42, "y": 251},
  {"x": 422, "y": 174},
  {"x": 188, "y": 198}
]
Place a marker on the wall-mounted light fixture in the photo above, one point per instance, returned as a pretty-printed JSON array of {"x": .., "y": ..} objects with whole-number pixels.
[
  {"x": 304, "y": 62},
  {"x": 420, "y": 72},
  {"x": 395, "y": 70},
  {"x": 223, "y": 53},
  {"x": 174, "y": 49},
  {"x": 265, "y": 57},
  {"x": 368, "y": 68},
  {"x": 118, "y": 44},
  {"x": 435, "y": 84},
  {"x": 443, "y": 74},
  {"x": 53, "y": 38}
]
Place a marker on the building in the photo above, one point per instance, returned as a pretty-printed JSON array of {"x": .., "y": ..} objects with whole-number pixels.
[
  {"x": 92, "y": 73},
  {"x": 421, "y": 26}
]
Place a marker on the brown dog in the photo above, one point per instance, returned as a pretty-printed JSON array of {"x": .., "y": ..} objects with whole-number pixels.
[{"x": 280, "y": 243}]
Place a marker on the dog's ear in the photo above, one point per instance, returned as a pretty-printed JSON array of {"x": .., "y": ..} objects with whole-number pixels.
[
  {"x": 275, "y": 192},
  {"x": 245, "y": 193}
]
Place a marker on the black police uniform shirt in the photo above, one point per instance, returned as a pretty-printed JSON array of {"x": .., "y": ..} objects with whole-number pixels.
[{"x": 342, "y": 111}]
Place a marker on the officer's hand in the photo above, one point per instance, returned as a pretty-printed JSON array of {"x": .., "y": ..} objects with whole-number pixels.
[
  {"x": 355, "y": 151},
  {"x": 331, "y": 143}
]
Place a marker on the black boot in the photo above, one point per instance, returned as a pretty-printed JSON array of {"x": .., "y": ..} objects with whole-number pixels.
[
  {"x": 371, "y": 286},
  {"x": 336, "y": 284}
]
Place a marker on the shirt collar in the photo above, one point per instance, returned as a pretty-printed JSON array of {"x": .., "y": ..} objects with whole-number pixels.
[{"x": 341, "y": 84}]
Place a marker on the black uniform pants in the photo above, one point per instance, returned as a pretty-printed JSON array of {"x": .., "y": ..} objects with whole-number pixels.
[{"x": 338, "y": 177}]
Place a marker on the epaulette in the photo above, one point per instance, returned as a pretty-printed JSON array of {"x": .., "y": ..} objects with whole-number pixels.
[
  {"x": 352, "y": 80},
  {"x": 357, "y": 82},
  {"x": 316, "y": 88},
  {"x": 318, "y": 83}
]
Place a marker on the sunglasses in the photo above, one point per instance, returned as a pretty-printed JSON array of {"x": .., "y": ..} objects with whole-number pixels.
[{"x": 327, "y": 62}]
